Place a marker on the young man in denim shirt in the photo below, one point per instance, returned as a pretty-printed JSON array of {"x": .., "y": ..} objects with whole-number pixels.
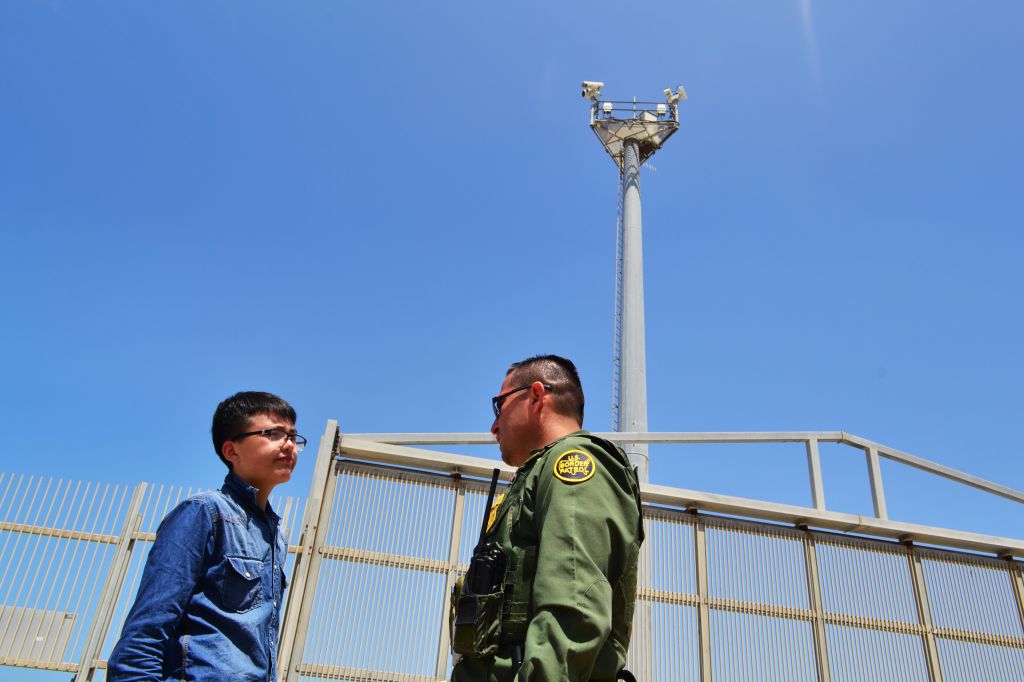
[{"x": 209, "y": 603}]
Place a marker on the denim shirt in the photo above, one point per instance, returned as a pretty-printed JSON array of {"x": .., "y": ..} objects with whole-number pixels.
[{"x": 209, "y": 603}]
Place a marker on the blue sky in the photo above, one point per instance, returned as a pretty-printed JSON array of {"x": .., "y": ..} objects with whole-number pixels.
[{"x": 373, "y": 208}]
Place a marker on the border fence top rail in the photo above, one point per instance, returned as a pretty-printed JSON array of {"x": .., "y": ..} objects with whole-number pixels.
[
  {"x": 722, "y": 437},
  {"x": 393, "y": 448}
]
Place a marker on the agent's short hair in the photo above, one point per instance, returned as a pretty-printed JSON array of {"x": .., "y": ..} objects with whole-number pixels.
[
  {"x": 557, "y": 372},
  {"x": 233, "y": 415}
]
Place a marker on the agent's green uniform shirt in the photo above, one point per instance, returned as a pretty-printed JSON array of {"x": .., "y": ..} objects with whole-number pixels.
[{"x": 570, "y": 524}]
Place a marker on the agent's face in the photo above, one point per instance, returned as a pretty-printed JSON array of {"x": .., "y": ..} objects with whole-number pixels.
[
  {"x": 259, "y": 460},
  {"x": 513, "y": 428}
]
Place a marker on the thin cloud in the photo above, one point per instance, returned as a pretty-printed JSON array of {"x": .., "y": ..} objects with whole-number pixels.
[{"x": 810, "y": 42}]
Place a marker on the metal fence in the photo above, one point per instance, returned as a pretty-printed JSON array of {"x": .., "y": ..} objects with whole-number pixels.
[
  {"x": 71, "y": 556},
  {"x": 386, "y": 530}
]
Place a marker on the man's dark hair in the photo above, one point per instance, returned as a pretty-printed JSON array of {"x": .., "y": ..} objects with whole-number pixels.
[
  {"x": 233, "y": 415},
  {"x": 557, "y": 372}
]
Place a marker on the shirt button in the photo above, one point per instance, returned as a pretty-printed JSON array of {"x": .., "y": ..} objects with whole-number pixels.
[{"x": 247, "y": 574}]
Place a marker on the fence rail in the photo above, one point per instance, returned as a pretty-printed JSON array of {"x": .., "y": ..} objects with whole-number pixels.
[{"x": 785, "y": 593}]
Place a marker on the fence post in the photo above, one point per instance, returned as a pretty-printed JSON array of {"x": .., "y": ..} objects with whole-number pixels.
[
  {"x": 111, "y": 587},
  {"x": 814, "y": 471},
  {"x": 643, "y": 614},
  {"x": 1017, "y": 583},
  {"x": 453, "y": 568},
  {"x": 700, "y": 555},
  {"x": 318, "y": 510},
  {"x": 877, "y": 489},
  {"x": 817, "y": 606},
  {"x": 924, "y": 613}
]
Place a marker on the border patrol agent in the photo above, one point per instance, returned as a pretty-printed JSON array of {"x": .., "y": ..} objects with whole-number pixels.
[{"x": 551, "y": 588}]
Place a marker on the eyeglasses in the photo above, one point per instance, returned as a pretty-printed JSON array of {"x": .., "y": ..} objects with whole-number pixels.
[
  {"x": 276, "y": 436},
  {"x": 499, "y": 400}
]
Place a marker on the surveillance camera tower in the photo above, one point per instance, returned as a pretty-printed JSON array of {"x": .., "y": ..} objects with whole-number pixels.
[{"x": 631, "y": 132}]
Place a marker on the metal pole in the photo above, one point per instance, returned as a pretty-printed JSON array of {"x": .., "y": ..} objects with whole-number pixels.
[
  {"x": 303, "y": 578},
  {"x": 924, "y": 613},
  {"x": 633, "y": 363},
  {"x": 814, "y": 471},
  {"x": 817, "y": 606},
  {"x": 877, "y": 488},
  {"x": 451, "y": 575},
  {"x": 112, "y": 587},
  {"x": 700, "y": 559}
]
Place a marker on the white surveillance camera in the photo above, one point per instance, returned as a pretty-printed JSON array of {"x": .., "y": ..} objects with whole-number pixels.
[
  {"x": 674, "y": 97},
  {"x": 592, "y": 90}
]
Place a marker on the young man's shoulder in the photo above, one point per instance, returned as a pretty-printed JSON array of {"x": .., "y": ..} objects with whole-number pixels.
[{"x": 211, "y": 505}]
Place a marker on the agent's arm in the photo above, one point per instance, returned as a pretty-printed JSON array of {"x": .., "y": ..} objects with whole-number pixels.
[{"x": 579, "y": 529}]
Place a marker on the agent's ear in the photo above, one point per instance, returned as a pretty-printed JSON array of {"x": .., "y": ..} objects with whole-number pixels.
[{"x": 537, "y": 392}]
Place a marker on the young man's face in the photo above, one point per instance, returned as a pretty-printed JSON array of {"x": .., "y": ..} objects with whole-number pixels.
[{"x": 259, "y": 461}]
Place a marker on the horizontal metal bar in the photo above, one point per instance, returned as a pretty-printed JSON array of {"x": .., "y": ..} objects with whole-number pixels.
[
  {"x": 337, "y": 672},
  {"x": 467, "y": 438},
  {"x": 38, "y": 665},
  {"x": 938, "y": 469},
  {"x": 627, "y": 102},
  {"x": 760, "y": 609},
  {"x": 845, "y": 619},
  {"x": 667, "y": 597},
  {"x": 979, "y": 637},
  {"x": 384, "y": 559},
  {"x": 846, "y": 523},
  {"x": 57, "y": 532},
  {"x": 351, "y": 446},
  {"x": 424, "y": 438},
  {"x": 721, "y": 437}
]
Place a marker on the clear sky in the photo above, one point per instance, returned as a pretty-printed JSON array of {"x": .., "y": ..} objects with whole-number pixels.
[{"x": 373, "y": 208}]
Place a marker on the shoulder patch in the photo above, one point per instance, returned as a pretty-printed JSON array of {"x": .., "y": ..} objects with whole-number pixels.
[{"x": 574, "y": 466}]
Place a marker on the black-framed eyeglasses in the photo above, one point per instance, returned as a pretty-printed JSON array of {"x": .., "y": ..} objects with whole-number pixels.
[
  {"x": 276, "y": 436},
  {"x": 499, "y": 400}
]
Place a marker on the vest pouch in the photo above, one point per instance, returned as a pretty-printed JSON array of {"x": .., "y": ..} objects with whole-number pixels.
[
  {"x": 519, "y": 597},
  {"x": 476, "y": 628},
  {"x": 477, "y": 624}
]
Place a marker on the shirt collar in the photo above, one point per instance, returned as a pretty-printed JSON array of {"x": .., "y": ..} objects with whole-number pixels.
[
  {"x": 244, "y": 493},
  {"x": 536, "y": 454}
]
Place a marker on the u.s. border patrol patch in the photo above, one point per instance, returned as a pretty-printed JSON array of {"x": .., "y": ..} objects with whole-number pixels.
[{"x": 574, "y": 466}]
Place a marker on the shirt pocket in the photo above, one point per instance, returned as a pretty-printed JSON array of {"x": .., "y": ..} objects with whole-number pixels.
[{"x": 240, "y": 590}]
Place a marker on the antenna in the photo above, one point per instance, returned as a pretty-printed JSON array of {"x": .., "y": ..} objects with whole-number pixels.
[{"x": 631, "y": 133}]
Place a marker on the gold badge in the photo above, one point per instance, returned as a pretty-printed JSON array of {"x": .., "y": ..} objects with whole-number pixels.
[
  {"x": 494, "y": 511},
  {"x": 574, "y": 466}
]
